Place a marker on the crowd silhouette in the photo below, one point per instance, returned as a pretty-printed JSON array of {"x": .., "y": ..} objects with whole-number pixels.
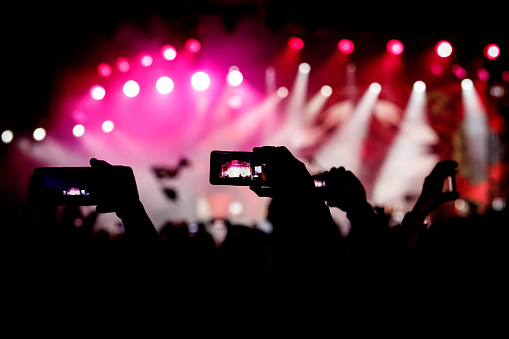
[{"x": 60, "y": 274}]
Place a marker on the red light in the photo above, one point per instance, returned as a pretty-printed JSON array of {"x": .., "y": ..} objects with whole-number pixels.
[
  {"x": 193, "y": 45},
  {"x": 104, "y": 69},
  {"x": 443, "y": 49},
  {"x": 395, "y": 47},
  {"x": 123, "y": 65},
  {"x": 345, "y": 46},
  {"x": 295, "y": 43},
  {"x": 491, "y": 51}
]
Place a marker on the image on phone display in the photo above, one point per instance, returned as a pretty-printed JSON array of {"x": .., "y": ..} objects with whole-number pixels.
[
  {"x": 236, "y": 168},
  {"x": 66, "y": 185}
]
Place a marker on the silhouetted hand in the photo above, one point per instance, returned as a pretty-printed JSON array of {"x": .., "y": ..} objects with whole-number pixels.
[
  {"x": 117, "y": 185},
  {"x": 287, "y": 178},
  {"x": 345, "y": 190},
  {"x": 432, "y": 195},
  {"x": 119, "y": 193}
]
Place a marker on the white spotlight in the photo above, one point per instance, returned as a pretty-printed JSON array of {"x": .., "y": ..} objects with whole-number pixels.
[
  {"x": 326, "y": 91},
  {"x": 107, "y": 126},
  {"x": 282, "y": 92},
  {"x": 467, "y": 84},
  {"x": 39, "y": 134},
  {"x": 7, "y": 136},
  {"x": 304, "y": 68},
  {"x": 164, "y": 85},
  {"x": 78, "y": 130},
  {"x": 419, "y": 86},
  {"x": 234, "y": 77},
  {"x": 375, "y": 88},
  {"x": 200, "y": 81}
]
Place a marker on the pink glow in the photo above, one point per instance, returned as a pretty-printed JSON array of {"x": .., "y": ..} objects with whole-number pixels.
[
  {"x": 345, "y": 46},
  {"x": 193, "y": 45},
  {"x": 443, "y": 49},
  {"x": 168, "y": 52},
  {"x": 146, "y": 60},
  {"x": 123, "y": 65},
  {"x": 459, "y": 71},
  {"x": 104, "y": 69},
  {"x": 395, "y": 47},
  {"x": 295, "y": 43},
  {"x": 97, "y": 92}
]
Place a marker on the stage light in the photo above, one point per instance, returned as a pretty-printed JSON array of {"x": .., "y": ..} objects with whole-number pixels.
[
  {"x": 326, "y": 91},
  {"x": 123, "y": 65},
  {"x": 146, "y": 60},
  {"x": 39, "y": 134},
  {"x": 97, "y": 92},
  {"x": 104, "y": 69},
  {"x": 164, "y": 85},
  {"x": 375, "y": 88},
  {"x": 467, "y": 84},
  {"x": 443, "y": 49},
  {"x": 168, "y": 52},
  {"x": 483, "y": 74},
  {"x": 193, "y": 45},
  {"x": 419, "y": 86},
  {"x": 236, "y": 208},
  {"x": 131, "y": 88},
  {"x": 345, "y": 46},
  {"x": 497, "y": 91},
  {"x": 7, "y": 136},
  {"x": 78, "y": 130},
  {"x": 505, "y": 76},
  {"x": 295, "y": 43},
  {"x": 282, "y": 92},
  {"x": 107, "y": 126},
  {"x": 234, "y": 77},
  {"x": 395, "y": 47},
  {"x": 491, "y": 51},
  {"x": 304, "y": 68},
  {"x": 200, "y": 81},
  {"x": 459, "y": 71},
  {"x": 234, "y": 101}
]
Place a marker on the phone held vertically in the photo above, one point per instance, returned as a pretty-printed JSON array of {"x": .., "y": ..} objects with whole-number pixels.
[{"x": 237, "y": 168}]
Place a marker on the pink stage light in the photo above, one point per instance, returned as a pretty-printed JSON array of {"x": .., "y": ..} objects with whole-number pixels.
[
  {"x": 131, "y": 88},
  {"x": 459, "y": 71},
  {"x": 164, "y": 85},
  {"x": 234, "y": 77},
  {"x": 443, "y": 49},
  {"x": 146, "y": 60},
  {"x": 491, "y": 51},
  {"x": 104, "y": 69},
  {"x": 295, "y": 43},
  {"x": 123, "y": 65},
  {"x": 168, "y": 52},
  {"x": 193, "y": 45},
  {"x": 345, "y": 46},
  {"x": 395, "y": 47},
  {"x": 200, "y": 81},
  {"x": 97, "y": 92}
]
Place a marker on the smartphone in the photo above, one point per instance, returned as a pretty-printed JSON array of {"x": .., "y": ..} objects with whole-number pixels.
[
  {"x": 237, "y": 168},
  {"x": 449, "y": 184},
  {"x": 63, "y": 186}
]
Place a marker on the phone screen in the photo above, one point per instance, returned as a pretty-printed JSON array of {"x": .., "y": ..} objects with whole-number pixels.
[
  {"x": 236, "y": 168},
  {"x": 64, "y": 186}
]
